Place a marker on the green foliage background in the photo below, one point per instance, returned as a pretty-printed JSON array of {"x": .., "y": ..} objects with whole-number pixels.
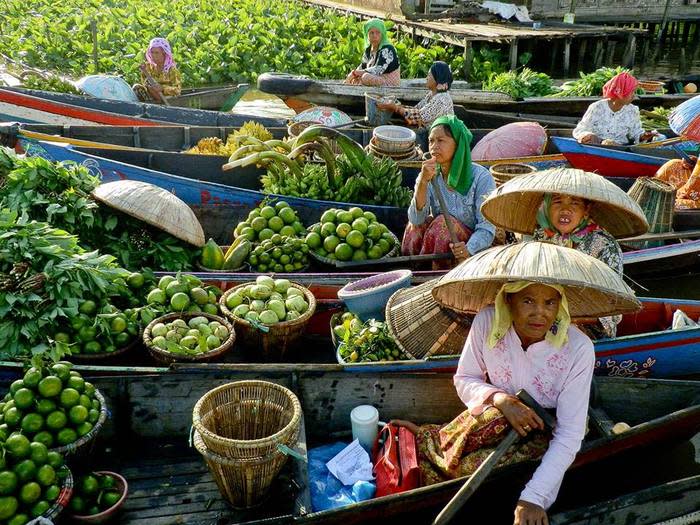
[{"x": 214, "y": 41}]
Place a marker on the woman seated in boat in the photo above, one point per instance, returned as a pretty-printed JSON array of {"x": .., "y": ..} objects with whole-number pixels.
[
  {"x": 463, "y": 184},
  {"x": 380, "y": 61},
  {"x": 437, "y": 103},
  {"x": 614, "y": 120},
  {"x": 159, "y": 75},
  {"x": 525, "y": 341}
]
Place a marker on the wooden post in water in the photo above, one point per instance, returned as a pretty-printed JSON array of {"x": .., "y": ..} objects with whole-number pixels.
[
  {"x": 567, "y": 56},
  {"x": 582, "y": 54},
  {"x": 514, "y": 54},
  {"x": 93, "y": 31},
  {"x": 468, "y": 58},
  {"x": 598, "y": 57},
  {"x": 555, "y": 53},
  {"x": 630, "y": 51},
  {"x": 610, "y": 56}
]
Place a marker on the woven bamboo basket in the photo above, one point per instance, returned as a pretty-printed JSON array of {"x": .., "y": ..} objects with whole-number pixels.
[
  {"x": 84, "y": 446},
  {"x": 272, "y": 345},
  {"x": 246, "y": 420},
  {"x": 63, "y": 498},
  {"x": 651, "y": 86},
  {"x": 243, "y": 483},
  {"x": 422, "y": 327},
  {"x": 103, "y": 357},
  {"x": 165, "y": 357},
  {"x": 657, "y": 200},
  {"x": 507, "y": 170},
  {"x": 513, "y": 206},
  {"x": 592, "y": 288},
  {"x": 154, "y": 206}
]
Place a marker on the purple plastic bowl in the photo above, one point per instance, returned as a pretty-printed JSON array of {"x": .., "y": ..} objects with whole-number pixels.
[{"x": 367, "y": 297}]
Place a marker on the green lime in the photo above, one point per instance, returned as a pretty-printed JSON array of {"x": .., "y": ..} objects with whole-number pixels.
[
  {"x": 287, "y": 214},
  {"x": 55, "y": 459},
  {"x": 92, "y": 347},
  {"x": 96, "y": 404},
  {"x": 8, "y": 482},
  {"x": 51, "y": 493},
  {"x": 88, "y": 485},
  {"x": 371, "y": 217},
  {"x": 50, "y": 386},
  {"x": 32, "y": 377},
  {"x": 298, "y": 227},
  {"x": 117, "y": 325},
  {"x": 69, "y": 397},
  {"x": 275, "y": 224},
  {"x": 248, "y": 233},
  {"x": 77, "y": 383},
  {"x": 343, "y": 252},
  {"x": 40, "y": 507},
  {"x": 156, "y": 296},
  {"x": 359, "y": 255},
  {"x": 18, "y": 519},
  {"x": 88, "y": 307},
  {"x": 13, "y": 417},
  {"x": 66, "y": 436},
  {"x": 93, "y": 415},
  {"x": 85, "y": 401},
  {"x": 89, "y": 389},
  {"x": 32, "y": 423},
  {"x": 267, "y": 212},
  {"x": 345, "y": 216},
  {"x": 45, "y": 406},
  {"x": 56, "y": 420},
  {"x": 343, "y": 229},
  {"x": 280, "y": 205},
  {"x": 84, "y": 428},
  {"x": 121, "y": 340},
  {"x": 87, "y": 333},
  {"x": 288, "y": 231},
  {"x": 356, "y": 212},
  {"x": 265, "y": 234},
  {"x": 355, "y": 239},
  {"x": 313, "y": 240},
  {"x": 78, "y": 414},
  {"x": 23, "y": 398},
  {"x": 62, "y": 337},
  {"x": 46, "y": 475},
  {"x": 375, "y": 252},
  {"x": 8, "y": 507},
  {"x": 330, "y": 243},
  {"x": 91, "y": 511},
  {"x": 39, "y": 452},
  {"x": 259, "y": 224},
  {"x": 107, "y": 481},
  {"x": 8, "y": 405},
  {"x": 328, "y": 216},
  {"x": 30, "y": 492},
  {"x": 77, "y": 505},
  {"x": 135, "y": 280},
  {"x": 45, "y": 437},
  {"x": 175, "y": 287},
  {"x": 110, "y": 498},
  {"x": 25, "y": 470},
  {"x": 327, "y": 229},
  {"x": 4, "y": 434},
  {"x": 18, "y": 446},
  {"x": 16, "y": 385}
]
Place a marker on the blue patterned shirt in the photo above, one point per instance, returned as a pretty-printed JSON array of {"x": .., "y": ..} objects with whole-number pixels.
[{"x": 464, "y": 208}]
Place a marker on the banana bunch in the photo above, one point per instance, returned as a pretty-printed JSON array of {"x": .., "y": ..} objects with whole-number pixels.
[
  {"x": 249, "y": 129},
  {"x": 210, "y": 146},
  {"x": 313, "y": 184}
]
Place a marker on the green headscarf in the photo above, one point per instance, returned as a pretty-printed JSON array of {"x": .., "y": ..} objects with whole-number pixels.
[
  {"x": 460, "y": 177},
  {"x": 376, "y": 23}
]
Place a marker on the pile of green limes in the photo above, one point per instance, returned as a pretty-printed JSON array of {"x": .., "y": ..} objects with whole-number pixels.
[
  {"x": 94, "y": 493},
  {"x": 265, "y": 221},
  {"x": 184, "y": 293},
  {"x": 353, "y": 234}
]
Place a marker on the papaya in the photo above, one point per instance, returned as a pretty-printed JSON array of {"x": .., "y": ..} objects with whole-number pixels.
[
  {"x": 238, "y": 255},
  {"x": 212, "y": 255},
  {"x": 234, "y": 244}
]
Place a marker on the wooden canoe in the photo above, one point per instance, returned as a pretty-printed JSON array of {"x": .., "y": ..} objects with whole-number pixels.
[
  {"x": 46, "y": 107},
  {"x": 215, "y": 98},
  {"x": 617, "y": 162},
  {"x": 298, "y": 91},
  {"x": 169, "y": 482}
]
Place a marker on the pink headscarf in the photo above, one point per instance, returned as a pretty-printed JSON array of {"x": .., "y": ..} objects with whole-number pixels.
[
  {"x": 620, "y": 86},
  {"x": 163, "y": 44}
]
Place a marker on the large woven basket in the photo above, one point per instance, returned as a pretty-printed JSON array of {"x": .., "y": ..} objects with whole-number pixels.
[
  {"x": 505, "y": 171},
  {"x": 166, "y": 357},
  {"x": 272, "y": 345},
  {"x": 657, "y": 199},
  {"x": 64, "y": 496},
  {"x": 246, "y": 420},
  {"x": 243, "y": 483},
  {"x": 84, "y": 446}
]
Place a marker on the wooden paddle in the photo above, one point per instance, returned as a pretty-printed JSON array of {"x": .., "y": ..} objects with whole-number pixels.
[
  {"x": 476, "y": 479},
  {"x": 444, "y": 211}
]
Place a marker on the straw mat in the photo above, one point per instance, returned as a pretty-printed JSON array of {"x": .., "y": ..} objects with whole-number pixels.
[
  {"x": 592, "y": 288},
  {"x": 513, "y": 206},
  {"x": 154, "y": 206}
]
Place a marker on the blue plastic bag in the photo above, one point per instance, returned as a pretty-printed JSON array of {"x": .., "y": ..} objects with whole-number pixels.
[{"x": 327, "y": 492}]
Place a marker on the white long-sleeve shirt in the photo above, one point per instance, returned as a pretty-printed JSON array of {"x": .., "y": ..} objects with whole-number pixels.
[
  {"x": 623, "y": 126},
  {"x": 555, "y": 377}
]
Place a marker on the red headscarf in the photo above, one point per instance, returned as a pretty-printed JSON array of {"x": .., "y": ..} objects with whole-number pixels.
[{"x": 620, "y": 86}]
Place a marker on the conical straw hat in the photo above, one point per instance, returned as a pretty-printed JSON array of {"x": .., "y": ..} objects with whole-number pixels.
[
  {"x": 152, "y": 205},
  {"x": 513, "y": 206},
  {"x": 592, "y": 288},
  {"x": 421, "y": 326}
]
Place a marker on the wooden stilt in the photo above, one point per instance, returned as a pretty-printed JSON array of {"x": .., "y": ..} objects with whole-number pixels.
[
  {"x": 468, "y": 59},
  {"x": 555, "y": 53},
  {"x": 630, "y": 51},
  {"x": 514, "y": 55},
  {"x": 686, "y": 34},
  {"x": 682, "y": 62},
  {"x": 645, "y": 54},
  {"x": 580, "y": 61},
  {"x": 599, "y": 48},
  {"x": 610, "y": 55},
  {"x": 567, "y": 56}
]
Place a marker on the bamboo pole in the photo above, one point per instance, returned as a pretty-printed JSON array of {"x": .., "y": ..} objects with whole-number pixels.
[{"x": 93, "y": 32}]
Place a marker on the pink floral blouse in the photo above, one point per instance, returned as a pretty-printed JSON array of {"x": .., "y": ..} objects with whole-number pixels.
[{"x": 554, "y": 377}]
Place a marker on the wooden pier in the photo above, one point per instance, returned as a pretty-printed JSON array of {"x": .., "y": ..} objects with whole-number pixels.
[{"x": 593, "y": 44}]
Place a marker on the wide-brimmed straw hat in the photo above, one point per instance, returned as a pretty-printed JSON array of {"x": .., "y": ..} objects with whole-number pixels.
[
  {"x": 434, "y": 318},
  {"x": 513, "y": 206},
  {"x": 154, "y": 206}
]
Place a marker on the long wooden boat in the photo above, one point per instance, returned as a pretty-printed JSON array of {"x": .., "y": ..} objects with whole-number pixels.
[
  {"x": 673, "y": 502},
  {"x": 616, "y": 162},
  {"x": 33, "y": 106},
  {"x": 169, "y": 482},
  {"x": 300, "y": 91},
  {"x": 215, "y": 98}
]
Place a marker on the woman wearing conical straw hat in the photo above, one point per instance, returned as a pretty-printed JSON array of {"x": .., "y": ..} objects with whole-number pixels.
[
  {"x": 571, "y": 208},
  {"x": 525, "y": 340}
]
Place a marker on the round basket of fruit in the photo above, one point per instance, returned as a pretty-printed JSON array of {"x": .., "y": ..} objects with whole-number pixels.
[
  {"x": 183, "y": 293},
  {"x": 358, "y": 342},
  {"x": 98, "y": 496},
  {"x": 57, "y": 407},
  {"x": 350, "y": 235},
  {"x": 188, "y": 337},
  {"x": 269, "y": 314}
]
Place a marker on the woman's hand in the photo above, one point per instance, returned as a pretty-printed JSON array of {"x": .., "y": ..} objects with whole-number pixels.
[
  {"x": 387, "y": 106},
  {"x": 647, "y": 136},
  {"x": 521, "y": 417},
  {"x": 589, "y": 138},
  {"x": 427, "y": 171},
  {"x": 143, "y": 68},
  {"x": 527, "y": 513},
  {"x": 460, "y": 252}
]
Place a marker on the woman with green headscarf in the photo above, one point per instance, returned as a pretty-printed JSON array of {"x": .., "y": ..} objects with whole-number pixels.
[
  {"x": 463, "y": 184},
  {"x": 380, "y": 61}
]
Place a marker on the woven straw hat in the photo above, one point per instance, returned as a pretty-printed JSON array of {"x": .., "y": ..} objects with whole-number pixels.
[
  {"x": 154, "y": 206},
  {"x": 513, "y": 206},
  {"x": 593, "y": 289}
]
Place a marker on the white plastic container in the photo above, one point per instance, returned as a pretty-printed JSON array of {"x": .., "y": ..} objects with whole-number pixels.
[{"x": 365, "y": 421}]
